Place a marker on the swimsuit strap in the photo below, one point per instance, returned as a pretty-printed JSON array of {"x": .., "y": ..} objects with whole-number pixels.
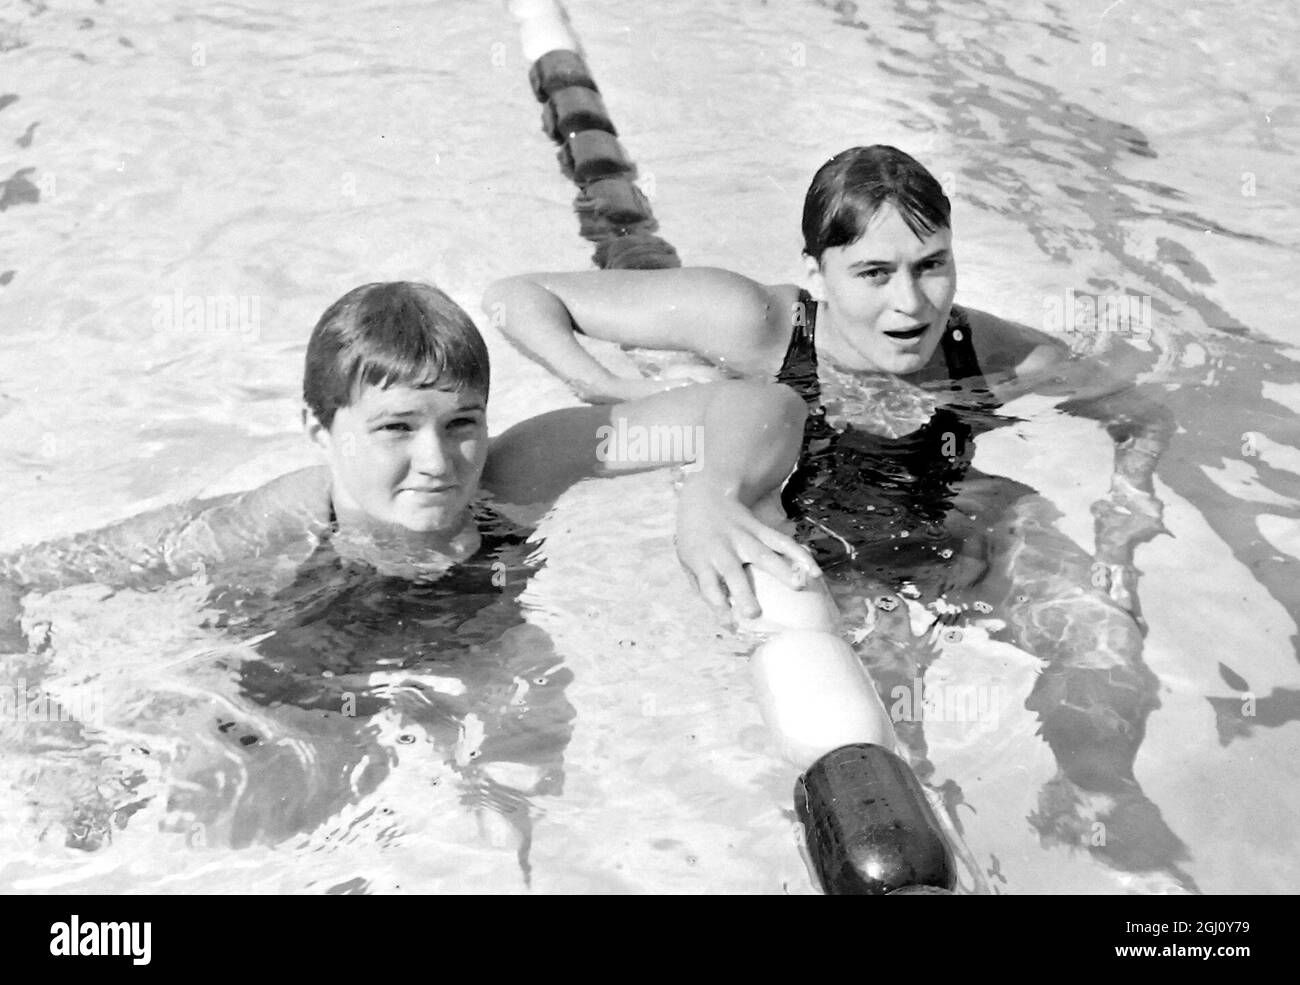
[
  {"x": 959, "y": 346},
  {"x": 799, "y": 367}
]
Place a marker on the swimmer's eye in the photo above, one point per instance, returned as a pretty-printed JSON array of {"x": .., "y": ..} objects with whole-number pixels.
[
  {"x": 934, "y": 263},
  {"x": 461, "y": 423},
  {"x": 874, "y": 274},
  {"x": 395, "y": 426}
]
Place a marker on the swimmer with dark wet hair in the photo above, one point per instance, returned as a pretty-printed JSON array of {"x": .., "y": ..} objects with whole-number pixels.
[
  {"x": 900, "y": 381},
  {"x": 879, "y": 307},
  {"x": 395, "y": 391}
]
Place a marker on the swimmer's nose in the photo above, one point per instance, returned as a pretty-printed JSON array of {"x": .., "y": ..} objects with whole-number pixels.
[
  {"x": 907, "y": 298},
  {"x": 430, "y": 454}
]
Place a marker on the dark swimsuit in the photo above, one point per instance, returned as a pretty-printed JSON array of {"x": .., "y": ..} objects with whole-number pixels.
[
  {"x": 503, "y": 554},
  {"x": 878, "y": 504},
  {"x": 370, "y": 618},
  {"x": 328, "y": 646}
]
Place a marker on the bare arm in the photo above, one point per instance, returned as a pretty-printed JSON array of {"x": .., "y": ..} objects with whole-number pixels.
[
  {"x": 1106, "y": 393},
  {"x": 718, "y": 530},
  {"x": 1141, "y": 428},
  {"x": 717, "y": 314},
  {"x": 1015, "y": 357},
  {"x": 126, "y": 553},
  {"x": 167, "y": 542},
  {"x": 743, "y": 438}
]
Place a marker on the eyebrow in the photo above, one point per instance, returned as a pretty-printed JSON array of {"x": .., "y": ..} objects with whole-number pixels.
[
  {"x": 391, "y": 415},
  {"x": 862, "y": 264},
  {"x": 388, "y": 415}
]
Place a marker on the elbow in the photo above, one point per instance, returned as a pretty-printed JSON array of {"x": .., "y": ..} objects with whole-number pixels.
[
  {"x": 784, "y": 413},
  {"x": 504, "y": 299},
  {"x": 497, "y": 301},
  {"x": 788, "y": 409}
]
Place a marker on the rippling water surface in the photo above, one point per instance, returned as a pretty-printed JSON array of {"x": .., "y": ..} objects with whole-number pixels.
[{"x": 594, "y": 731}]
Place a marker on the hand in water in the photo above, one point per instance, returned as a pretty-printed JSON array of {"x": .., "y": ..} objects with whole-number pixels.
[
  {"x": 962, "y": 570},
  {"x": 968, "y": 567},
  {"x": 717, "y": 536},
  {"x": 617, "y": 390}
]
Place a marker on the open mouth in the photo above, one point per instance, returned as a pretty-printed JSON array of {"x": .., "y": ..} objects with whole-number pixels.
[{"x": 907, "y": 334}]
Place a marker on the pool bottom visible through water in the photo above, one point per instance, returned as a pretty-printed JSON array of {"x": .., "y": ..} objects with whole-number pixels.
[{"x": 322, "y": 674}]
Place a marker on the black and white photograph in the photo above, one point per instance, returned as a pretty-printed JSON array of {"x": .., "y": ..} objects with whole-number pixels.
[{"x": 584, "y": 447}]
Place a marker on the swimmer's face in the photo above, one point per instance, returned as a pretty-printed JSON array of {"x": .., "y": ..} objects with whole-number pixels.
[
  {"x": 407, "y": 457},
  {"x": 888, "y": 294}
]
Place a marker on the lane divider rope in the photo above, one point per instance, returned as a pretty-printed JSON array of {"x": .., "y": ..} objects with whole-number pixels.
[
  {"x": 869, "y": 826},
  {"x": 612, "y": 211}
]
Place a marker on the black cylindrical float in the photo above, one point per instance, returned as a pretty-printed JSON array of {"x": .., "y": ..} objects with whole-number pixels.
[
  {"x": 616, "y": 199},
  {"x": 572, "y": 109},
  {"x": 598, "y": 228},
  {"x": 557, "y": 69},
  {"x": 867, "y": 824},
  {"x": 592, "y": 154},
  {"x": 612, "y": 212},
  {"x": 636, "y": 251}
]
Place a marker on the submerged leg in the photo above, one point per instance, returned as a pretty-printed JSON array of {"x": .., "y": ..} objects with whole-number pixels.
[{"x": 1093, "y": 697}]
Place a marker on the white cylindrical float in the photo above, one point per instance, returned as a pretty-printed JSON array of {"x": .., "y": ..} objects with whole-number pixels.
[
  {"x": 543, "y": 26},
  {"x": 811, "y": 687},
  {"x": 868, "y": 826}
]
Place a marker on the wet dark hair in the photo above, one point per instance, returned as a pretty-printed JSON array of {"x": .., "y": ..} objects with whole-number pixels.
[
  {"x": 849, "y": 188},
  {"x": 392, "y": 334}
]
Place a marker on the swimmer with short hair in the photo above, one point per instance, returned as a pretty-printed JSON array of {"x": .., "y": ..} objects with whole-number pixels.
[
  {"x": 395, "y": 390},
  {"x": 881, "y": 504},
  {"x": 880, "y": 312},
  {"x": 882, "y": 276}
]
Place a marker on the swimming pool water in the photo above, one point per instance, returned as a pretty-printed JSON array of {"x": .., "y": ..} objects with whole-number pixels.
[{"x": 278, "y": 157}]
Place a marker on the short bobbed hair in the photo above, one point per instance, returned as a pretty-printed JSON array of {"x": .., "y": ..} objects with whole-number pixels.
[
  {"x": 399, "y": 333},
  {"x": 849, "y": 189}
]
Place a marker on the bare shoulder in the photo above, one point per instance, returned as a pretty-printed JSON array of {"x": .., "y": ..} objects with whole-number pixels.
[
  {"x": 1006, "y": 346},
  {"x": 781, "y": 299},
  {"x": 779, "y": 316},
  {"x": 304, "y": 494},
  {"x": 534, "y": 461}
]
